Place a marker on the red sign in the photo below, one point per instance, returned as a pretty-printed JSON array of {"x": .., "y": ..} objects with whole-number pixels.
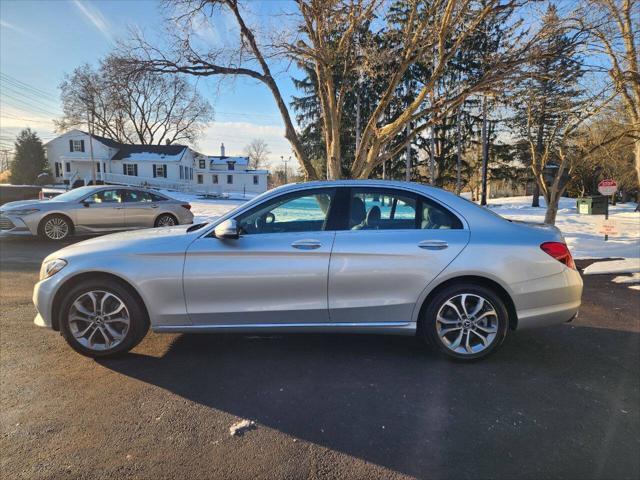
[{"x": 607, "y": 187}]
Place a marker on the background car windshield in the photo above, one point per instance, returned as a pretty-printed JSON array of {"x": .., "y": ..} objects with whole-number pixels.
[{"x": 305, "y": 213}]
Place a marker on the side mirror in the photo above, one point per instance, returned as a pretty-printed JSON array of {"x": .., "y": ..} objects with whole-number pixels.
[
  {"x": 228, "y": 230},
  {"x": 85, "y": 203}
]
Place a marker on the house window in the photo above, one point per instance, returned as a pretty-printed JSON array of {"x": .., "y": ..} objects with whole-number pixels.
[
  {"x": 159, "y": 171},
  {"x": 67, "y": 166},
  {"x": 200, "y": 179},
  {"x": 231, "y": 165},
  {"x": 76, "y": 145},
  {"x": 181, "y": 172},
  {"x": 202, "y": 163},
  {"x": 256, "y": 180},
  {"x": 214, "y": 178},
  {"x": 130, "y": 169},
  {"x": 98, "y": 167},
  {"x": 190, "y": 174},
  {"x": 229, "y": 179}
]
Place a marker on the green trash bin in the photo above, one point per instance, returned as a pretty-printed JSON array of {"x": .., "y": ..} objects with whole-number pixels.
[{"x": 595, "y": 205}]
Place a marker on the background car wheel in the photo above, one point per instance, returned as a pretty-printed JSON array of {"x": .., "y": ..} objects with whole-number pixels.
[
  {"x": 102, "y": 318},
  {"x": 55, "y": 227},
  {"x": 466, "y": 321},
  {"x": 166, "y": 220}
]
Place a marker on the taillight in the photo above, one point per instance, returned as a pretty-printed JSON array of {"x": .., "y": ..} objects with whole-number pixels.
[
  {"x": 560, "y": 252},
  {"x": 187, "y": 206}
]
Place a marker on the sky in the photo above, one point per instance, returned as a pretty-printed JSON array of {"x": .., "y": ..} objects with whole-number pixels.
[{"x": 41, "y": 41}]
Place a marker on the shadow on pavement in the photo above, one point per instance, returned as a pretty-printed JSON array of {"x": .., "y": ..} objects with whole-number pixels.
[{"x": 555, "y": 402}]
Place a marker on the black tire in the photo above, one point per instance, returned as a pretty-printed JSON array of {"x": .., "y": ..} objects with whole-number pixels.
[
  {"x": 138, "y": 320},
  {"x": 60, "y": 221},
  {"x": 429, "y": 325},
  {"x": 165, "y": 217}
]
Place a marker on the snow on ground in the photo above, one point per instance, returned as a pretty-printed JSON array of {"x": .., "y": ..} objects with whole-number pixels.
[
  {"x": 581, "y": 231},
  {"x": 209, "y": 209},
  {"x": 628, "y": 265}
]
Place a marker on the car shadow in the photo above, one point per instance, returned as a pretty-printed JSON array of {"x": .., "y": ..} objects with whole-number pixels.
[{"x": 550, "y": 403}]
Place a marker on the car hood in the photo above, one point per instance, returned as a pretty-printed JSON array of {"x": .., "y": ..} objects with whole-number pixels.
[
  {"x": 150, "y": 240},
  {"x": 29, "y": 203}
]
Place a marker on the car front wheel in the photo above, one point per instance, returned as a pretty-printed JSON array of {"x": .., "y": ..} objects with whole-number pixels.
[
  {"x": 466, "y": 321},
  {"x": 102, "y": 318},
  {"x": 55, "y": 227}
]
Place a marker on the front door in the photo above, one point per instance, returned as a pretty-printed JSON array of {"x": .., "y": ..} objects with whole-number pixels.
[
  {"x": 396, "y": 243},
  {"x": 274, "y": 274},
  {"x": 101, "y": 211}
]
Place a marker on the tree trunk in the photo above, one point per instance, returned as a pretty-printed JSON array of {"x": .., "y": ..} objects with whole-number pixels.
[
  {"x": 536, "y": 195},
  {"x": 552, "y": 209}
]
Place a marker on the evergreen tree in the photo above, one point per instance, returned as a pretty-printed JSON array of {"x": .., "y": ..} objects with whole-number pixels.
[
  {"x": 29, "y": 160},
  {"x": 545, "y": 99}
]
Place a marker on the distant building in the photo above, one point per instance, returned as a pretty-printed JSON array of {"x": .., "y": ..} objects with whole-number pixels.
[{"x": 163, "y": 166}]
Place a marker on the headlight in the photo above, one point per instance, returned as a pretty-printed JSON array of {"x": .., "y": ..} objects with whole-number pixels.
[
  {"x": 24, "y": 211},
  {"x": 51, "y": 267}
]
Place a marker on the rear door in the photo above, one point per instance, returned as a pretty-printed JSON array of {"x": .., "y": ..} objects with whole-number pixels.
[
  {"x": 101, "y": 211},
  {"x": 140, "y": 208},
  {"x": 394, "y": 244}
]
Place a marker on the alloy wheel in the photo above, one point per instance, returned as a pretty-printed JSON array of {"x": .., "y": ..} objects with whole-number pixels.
[
  {"x": 56, "y": 228},
  {"x": 99, "y": 320},
  {"x": 166, "y": 221},
  {"x": 467, "y": 324}
]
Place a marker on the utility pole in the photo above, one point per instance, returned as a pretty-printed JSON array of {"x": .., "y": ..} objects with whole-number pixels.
[
  {"x": 459, "y": 155},
  {"x": 408, "y": 157},
  {"x": 432, "y": 159},
  {"x": 93, "y": 165},
  {"x": 285, "y": 168},
  {"x": 485, "y": 152}
]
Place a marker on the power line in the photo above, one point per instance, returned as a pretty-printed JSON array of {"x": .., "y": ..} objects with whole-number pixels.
[
  {"x": 28, "y": 104},
  {"x": 28, "y": 95},
  {"x": 26, "y": 85}
]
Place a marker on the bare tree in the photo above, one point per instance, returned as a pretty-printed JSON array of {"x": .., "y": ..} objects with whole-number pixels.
[
  {"x": 257, "y": 150},
  {"x": 140, "y": 107},
  {"x": 185, "y": 55},
  {"x": 615, "y": 25}
]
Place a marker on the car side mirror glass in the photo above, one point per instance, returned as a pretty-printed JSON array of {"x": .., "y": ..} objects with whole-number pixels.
[
  {"x": 85, "y": 203},
  {"x": 228, "y": 230}
]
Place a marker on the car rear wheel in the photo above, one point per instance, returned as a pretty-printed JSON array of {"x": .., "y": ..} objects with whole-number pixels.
[
  {"x": 102, "y": 318},
  {"x": 166, "y": 220},
  {"x": 466, "y": 321},
  {"x": 55, "y": 227}
]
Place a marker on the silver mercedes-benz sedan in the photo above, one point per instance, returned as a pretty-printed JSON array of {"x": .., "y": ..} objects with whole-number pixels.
[
  {"x": 88, "y": 210},
  {"x": 346, "y": 256}
]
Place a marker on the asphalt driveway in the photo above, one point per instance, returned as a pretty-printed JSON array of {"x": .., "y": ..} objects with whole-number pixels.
[{"x": 559, "y": 402}]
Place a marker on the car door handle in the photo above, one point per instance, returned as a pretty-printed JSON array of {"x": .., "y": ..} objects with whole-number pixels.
[
  {"x": 119, "y": 208},
  {"x": 154, "y": 206},
  {"x": 433, "y": 244},
  {"x": 306, "y": 244}
]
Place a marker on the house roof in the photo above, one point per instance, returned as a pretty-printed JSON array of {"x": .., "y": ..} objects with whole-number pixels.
[
  {"x": 150, "y": 152},
  {"x": 218, "y": 160}
]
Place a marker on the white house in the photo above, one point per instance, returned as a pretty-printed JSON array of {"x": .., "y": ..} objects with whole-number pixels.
[
  {"x": 222, "y": 173},
  {"x": 164, "y": 166}
]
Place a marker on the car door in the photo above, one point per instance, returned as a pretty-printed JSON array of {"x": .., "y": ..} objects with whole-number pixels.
[
  {"x": 275, "y": 274},
  {"x": 140, "y": 209},
  {"x": 391, "y": 249},
  {"x": 101, "y": 211}
]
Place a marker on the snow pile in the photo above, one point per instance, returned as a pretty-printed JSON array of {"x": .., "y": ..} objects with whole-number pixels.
[
  {"x": 581, "y": 231},
  {"x": 627, "y": 265},
  {"x": 207, "y": 209}
]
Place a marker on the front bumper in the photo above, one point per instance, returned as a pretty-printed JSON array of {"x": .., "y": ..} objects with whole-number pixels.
[
  {"x": 549, "y": 300},
  {"x": 12, "y": 225},
  {"x": 43, "y": 294}
]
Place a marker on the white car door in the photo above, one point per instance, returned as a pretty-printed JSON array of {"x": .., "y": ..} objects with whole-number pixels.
[
  {"x": 396, "y": 243},
  {"x": 274, "y": 274}
]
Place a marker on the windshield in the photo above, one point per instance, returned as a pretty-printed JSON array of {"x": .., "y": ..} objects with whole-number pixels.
[{"x": 73, "y": 195}]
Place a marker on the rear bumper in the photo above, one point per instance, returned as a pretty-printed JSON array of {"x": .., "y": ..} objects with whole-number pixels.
[{"x": 549, "y": 300}]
